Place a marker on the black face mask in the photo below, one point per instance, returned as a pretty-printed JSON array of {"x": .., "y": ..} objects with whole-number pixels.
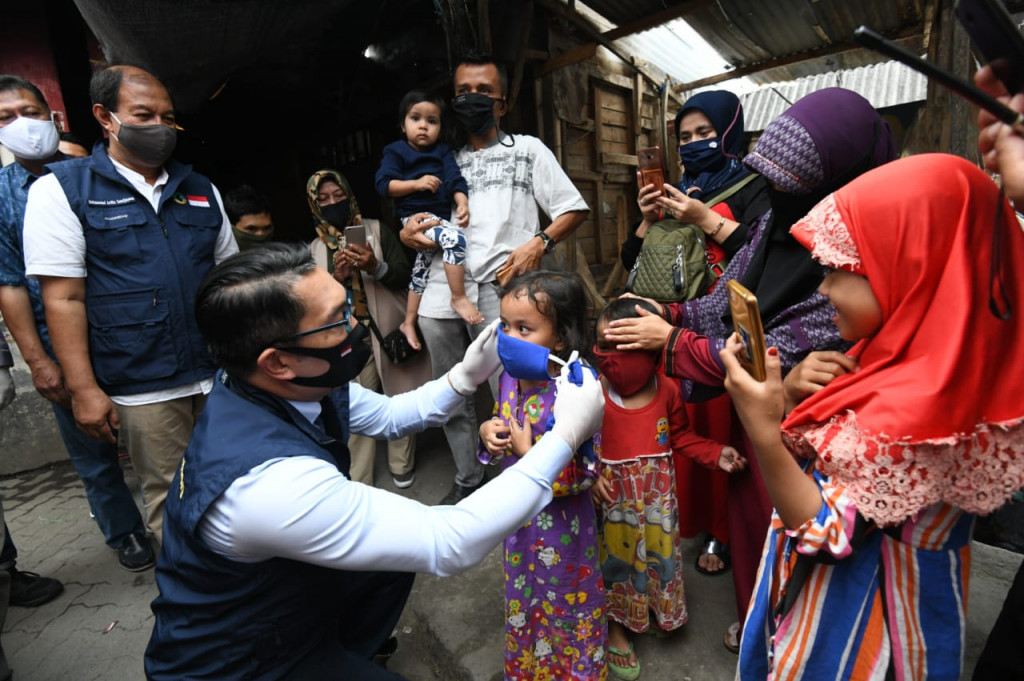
[
  {"x": 151, "y": 144},
  {"x": 346, "y": 360},
  {"x": 337, "y": 213},
  {"x": 475, "y": 112},
  {"x": 787, "y": 208}
]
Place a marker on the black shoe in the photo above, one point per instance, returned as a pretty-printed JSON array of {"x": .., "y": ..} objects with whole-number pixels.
[
  {"x": 29, "y": 589},
  {"x": 457, "y": 493},
  {"x": 136, "y": 554}
]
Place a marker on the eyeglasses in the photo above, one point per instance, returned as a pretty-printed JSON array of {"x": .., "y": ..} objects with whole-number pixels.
[{"x": 302, "y": 334}]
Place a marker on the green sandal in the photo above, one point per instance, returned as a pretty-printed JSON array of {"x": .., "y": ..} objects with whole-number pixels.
[{"x": 624, "y": 673}]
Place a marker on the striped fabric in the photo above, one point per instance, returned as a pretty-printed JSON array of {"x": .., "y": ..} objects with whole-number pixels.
[{"x": 863, "y": 599}]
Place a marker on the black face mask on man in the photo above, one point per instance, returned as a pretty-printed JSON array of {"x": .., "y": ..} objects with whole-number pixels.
[
  {"x": 346, "y": 360},
  {"x": 475, "y": 112},
  {"x": 151, "y": 144},
  {"x": 337, "y": 214}
]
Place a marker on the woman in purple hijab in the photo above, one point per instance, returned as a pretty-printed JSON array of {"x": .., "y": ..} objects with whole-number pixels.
[{"x": 818, "y": 145}]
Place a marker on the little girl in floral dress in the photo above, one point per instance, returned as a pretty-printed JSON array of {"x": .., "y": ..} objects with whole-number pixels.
[{"x": 554, "y": 595}]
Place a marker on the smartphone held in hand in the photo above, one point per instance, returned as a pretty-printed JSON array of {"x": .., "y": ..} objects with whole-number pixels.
[
  {"x": 355, "y": 235},
  {"x": 503, "y": 276},
  {"x": 651, "y": 166},
  {"x": 746, "y": 318},
  {"x": 995, "y": 34}
]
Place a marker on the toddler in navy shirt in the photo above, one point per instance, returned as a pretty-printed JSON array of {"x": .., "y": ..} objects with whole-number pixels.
[{"x": 420, "y": 173}]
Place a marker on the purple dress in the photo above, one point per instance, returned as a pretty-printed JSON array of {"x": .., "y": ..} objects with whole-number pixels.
[{"x": 555, "y": 624}]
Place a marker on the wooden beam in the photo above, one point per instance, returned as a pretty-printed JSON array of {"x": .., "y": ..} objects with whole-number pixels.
[
  {"x": 657, "y": 19},
  {"x": 617, "y": 278},
  {"x": 597, "y": 210},
  {"x": 559, "y": 10},
  {"x": 517, "y": 76},
  {"x": 608, "y": 159},
  {"x": 483, "y": 10},
  {"x": 582, "y": 53},
  {"x": 635, "y": 127},
  {"x": 597, "y": 301},
  {"x": 585, "y": 176},
  {"x": 907, "y": 38}
]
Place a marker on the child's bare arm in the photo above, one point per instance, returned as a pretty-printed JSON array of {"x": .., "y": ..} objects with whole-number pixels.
[{"x": 685, "y": 441}]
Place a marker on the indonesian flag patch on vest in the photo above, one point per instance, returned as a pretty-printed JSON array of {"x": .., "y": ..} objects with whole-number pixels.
[{"x": 200, "y": 201}]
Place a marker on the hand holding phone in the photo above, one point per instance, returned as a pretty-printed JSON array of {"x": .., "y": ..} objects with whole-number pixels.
[
  {"x": 997, "y": 38},
  {"x": 746, "y": 318}
]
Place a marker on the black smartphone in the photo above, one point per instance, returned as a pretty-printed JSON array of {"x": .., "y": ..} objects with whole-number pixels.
[
  {"x": 997, "y": 37},
  {"x": 873, "y": 40}
]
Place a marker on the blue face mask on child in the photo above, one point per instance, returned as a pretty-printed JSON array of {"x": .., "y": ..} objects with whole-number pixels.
[{"x": 524, "y": 360}]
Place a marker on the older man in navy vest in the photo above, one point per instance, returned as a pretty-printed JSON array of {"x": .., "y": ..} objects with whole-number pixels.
[
  {"x": 119, "y": 242},
  {"x": 275, "y": 565}
]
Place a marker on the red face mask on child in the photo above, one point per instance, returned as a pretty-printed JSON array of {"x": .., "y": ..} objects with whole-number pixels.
[{"x": 628, "y": 372}]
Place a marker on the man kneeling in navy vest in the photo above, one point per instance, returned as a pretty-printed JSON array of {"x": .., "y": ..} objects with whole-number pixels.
[{"x": 274, "y": 564}]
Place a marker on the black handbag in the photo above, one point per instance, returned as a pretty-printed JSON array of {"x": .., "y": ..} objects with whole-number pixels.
[{"x": 395, "y": 345}]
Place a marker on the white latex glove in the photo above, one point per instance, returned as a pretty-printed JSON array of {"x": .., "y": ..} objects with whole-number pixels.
[
  {"x": 6, "y": 387},
  {"x": 480, "y": 362},
  {"x": 578, "y": 409}
]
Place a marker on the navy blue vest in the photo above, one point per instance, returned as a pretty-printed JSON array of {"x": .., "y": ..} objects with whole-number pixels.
[
  {"x": 144, "y": 268},
  {"x": 221, "y": 619}
]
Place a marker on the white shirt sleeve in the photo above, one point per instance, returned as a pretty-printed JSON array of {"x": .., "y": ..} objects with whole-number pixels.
[
  {"x": 53, "y": 236},
  {"x": 553, "y": 190},
  {"x": 303, "y": 508},
  {"x": 226, "y": 245},
  {"x": 389, "y": 418}
]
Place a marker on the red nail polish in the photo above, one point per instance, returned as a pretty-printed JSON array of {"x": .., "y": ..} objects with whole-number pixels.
[{"x": 774, "y": 352}]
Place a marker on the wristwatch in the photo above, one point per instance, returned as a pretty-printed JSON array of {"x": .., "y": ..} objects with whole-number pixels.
[{"x": 549, "y": 243}]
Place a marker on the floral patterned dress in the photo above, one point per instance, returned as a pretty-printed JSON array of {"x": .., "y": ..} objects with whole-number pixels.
[{"x": 555, "y": 624}]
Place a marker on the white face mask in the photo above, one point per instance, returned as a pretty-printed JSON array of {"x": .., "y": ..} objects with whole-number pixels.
[{"x": 30, "y": 138}]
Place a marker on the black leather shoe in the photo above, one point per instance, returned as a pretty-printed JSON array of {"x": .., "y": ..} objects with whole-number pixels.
[
  {"x": 29, "y": 589},
  {"x": 136, "y": 554},
  {"x": 457, "y": 493}
]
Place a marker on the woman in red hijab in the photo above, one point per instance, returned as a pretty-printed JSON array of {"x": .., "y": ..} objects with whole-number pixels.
[{"x": 877, "y": 477}]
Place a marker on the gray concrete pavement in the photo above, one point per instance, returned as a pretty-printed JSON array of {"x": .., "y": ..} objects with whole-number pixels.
[{"x": 451, "y": 628}]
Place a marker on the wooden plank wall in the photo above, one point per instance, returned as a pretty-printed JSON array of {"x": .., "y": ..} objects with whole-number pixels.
[{"x": 599, "y": 155}]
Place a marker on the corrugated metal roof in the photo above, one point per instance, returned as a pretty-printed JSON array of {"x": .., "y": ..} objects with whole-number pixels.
[
  {"x": 744, "y": 32},
  {"x": 624, "y": 11},
  {"x": 676, "y": 49},
  {"x": 886, "y": 84},
  {"x": 673, "y": 48}
]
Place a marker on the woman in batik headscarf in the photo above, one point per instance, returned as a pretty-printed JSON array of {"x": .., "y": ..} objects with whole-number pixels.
[
  {"x": 876, "y": 478},
  {"x": 376, "y": 276}
]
